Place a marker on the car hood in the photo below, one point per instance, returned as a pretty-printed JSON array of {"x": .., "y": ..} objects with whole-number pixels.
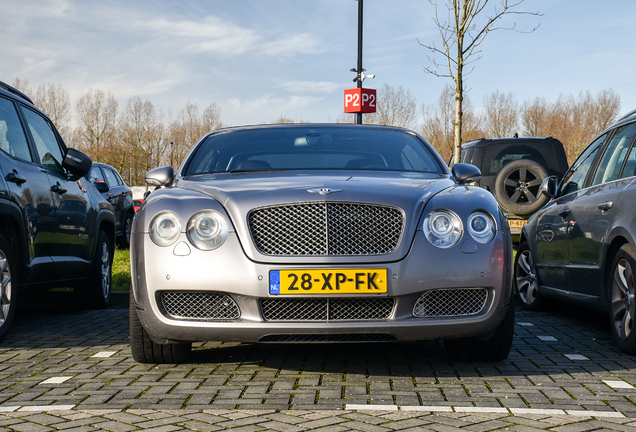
[{"x": 242, "y": 192}]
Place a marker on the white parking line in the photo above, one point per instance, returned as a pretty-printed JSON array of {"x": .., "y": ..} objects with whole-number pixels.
[
  {"x": 576, "y": 356},
  {"x": 56, "y": 380},
  {"x": 104, "y": 354},
  {"x": 547, "y": 338},
  {"x": 493, "y": 410},
  {"x": 47, "y": 408},
  {"x": 618, "y": 384},
  {"x": 525, "y": 324}
]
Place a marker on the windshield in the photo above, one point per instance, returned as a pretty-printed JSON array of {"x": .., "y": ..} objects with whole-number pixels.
[{"x": 312, "y": 148}]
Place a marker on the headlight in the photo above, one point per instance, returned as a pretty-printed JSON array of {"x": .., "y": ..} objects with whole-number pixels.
[
  {"x": 207, "y": 230},
  {"x": 443, "y": 228},
  {"x": 481, "y": 227},
  {"x": 165, "y": 228}
]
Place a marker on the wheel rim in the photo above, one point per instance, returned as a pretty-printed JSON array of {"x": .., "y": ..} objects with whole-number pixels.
[
  {"x": 623, "y": 299},
  {"x": 522, "y": 186},
  {"x": 105, "y": 266},
  {"x": 5, "y": 294},
  {"x": 527, "y": 285}
]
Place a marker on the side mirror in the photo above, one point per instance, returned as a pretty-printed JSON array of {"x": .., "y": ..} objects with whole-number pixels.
[
  {"x": 465, "y": 173},
  {"x": 77, "y": 163},
  {"x": 549, "y": 187},
  {"x": 162, "y": 176},
  {"x": 101, "y": 187}
]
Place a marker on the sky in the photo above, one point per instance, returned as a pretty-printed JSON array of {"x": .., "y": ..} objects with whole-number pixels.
[{"x": 258, "y": 60}]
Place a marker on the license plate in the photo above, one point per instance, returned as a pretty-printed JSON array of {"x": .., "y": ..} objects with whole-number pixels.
[
  {"x": 328, "y": 281},
  {"x": 516, "y": 223}
]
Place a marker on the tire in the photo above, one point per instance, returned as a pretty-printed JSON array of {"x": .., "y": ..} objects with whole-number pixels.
[
  {"x": 144, "y": 350},
  {"x": 525, "y": 280},
  {"x": 494, "y": 349},
  {"x": 123, "y": 241},
  {"x": 100, "y": 281},
  {"x": 623, "y": 299},
  {"x": 8, "y": 287},
  {"x": 517, "y": 187}
]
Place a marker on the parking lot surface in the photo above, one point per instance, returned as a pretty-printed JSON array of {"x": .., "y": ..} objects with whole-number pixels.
[{"x": 66, "y": 368}]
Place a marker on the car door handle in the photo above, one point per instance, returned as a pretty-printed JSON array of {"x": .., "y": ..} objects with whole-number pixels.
[
  {"x": 16, "y": 178},
  {"x": 58, "y": 189},
  {"x": 564, "y": 213},
  {"x": 605, "y": 206}
]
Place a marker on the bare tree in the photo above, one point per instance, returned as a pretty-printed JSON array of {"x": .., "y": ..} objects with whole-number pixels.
[
  {"x": 534, "y": 117},
  {"x": 439, "y": 119},
  {"x": 395, "y": 107},
  {"x": 501, "y": 114},
  {"x": 186, "y": 130},
  {"x": 56, "y": 103},
  {"x": 462, "y": 37},
  {"x": 96, "y": 124},
  {"x": 283, "y": 120},
  {"x": 22, "y": 84}
]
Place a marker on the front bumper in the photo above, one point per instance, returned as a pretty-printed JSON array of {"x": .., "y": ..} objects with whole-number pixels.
[{"x": 182, "y": 268}]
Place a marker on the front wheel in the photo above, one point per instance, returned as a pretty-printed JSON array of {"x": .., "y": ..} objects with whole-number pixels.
[
  {"x": 623, "y": 299},
  {"x": 477, "y": 349},
  {"x": 145, "y": 350},
  {"x": 8, "y": 287},
  {"x": 525, "y": 279}
]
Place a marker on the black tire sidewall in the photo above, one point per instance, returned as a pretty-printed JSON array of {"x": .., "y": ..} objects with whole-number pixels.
[
  {"x": 538, "y": 303},
  {"x": 8, "y": 321},
  {"x": 627, "y": 346},
  {"x": 500, "y": 189},
  {"x": 94, "y": 293}
]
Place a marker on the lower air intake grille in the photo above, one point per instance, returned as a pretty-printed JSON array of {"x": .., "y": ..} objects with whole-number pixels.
[
  {"x": 199, "y": 306},
  {"x": 328, "y": 309},
  {"x": 328, "y": 338},
  {"x": 448, "y": 303}
]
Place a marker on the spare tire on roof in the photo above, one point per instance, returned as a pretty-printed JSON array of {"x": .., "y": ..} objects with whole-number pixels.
[{"x": 517, "y": 187}]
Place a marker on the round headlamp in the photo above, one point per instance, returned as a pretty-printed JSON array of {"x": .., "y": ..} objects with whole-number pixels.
[
  {"x": 442, "y": 228},
  {"x": 481, "y": 227},
  {"x": 165, "y": 228},
  {"x": 207, "y": 230}
]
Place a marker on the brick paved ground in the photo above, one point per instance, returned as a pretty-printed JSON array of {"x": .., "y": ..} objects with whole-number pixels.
[{"x": 64, "y": 368}]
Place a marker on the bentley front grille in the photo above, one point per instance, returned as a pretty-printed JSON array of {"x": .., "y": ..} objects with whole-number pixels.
[
  {"x": 328, "y": 309},
  {"x": 199, "y": 306},
  {"x": 449, "y": 303},
  {"x": 322, "y": 229}
]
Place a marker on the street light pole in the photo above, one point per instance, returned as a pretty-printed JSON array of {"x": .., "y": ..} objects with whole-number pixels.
[{"x": 360, "y": 70}]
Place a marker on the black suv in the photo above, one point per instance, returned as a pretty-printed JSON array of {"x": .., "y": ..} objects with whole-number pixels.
[
  {"x": 513, "y": 170},
  {"x": 111, "y": 185},
  {"x": 56, "y": 230}
]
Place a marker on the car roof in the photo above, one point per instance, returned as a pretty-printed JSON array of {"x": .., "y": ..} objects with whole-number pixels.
[
  {"x": 13, "y": 92},
  {"x": 484, "y": 142}
]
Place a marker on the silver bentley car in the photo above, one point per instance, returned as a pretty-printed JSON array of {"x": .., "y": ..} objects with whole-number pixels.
[{"x": 319, "y": 234}]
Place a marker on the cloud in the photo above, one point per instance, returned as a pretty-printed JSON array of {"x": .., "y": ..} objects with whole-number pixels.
[
  {"x": 217, "y": 36},
  {"x": 310, "y": 86}
]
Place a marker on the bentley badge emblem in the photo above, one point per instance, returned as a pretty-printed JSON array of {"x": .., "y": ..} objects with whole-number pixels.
[{"x": 323, "y": 191}]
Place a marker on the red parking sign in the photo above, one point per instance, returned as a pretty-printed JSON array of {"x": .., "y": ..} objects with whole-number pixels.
[{"x": 360, "y": 100}]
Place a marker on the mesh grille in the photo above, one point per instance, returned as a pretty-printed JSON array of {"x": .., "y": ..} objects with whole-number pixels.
[
  {"x": 328, "y": 309},
  {"x": 451, "y": 302},
  {"x": 328, "y": 338},
  {"x": 199, "y": 306},
  {"x": 320, "y": 229}
]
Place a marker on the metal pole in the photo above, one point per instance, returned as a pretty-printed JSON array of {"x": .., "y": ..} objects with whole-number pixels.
[{"x": 359, "y": 115}]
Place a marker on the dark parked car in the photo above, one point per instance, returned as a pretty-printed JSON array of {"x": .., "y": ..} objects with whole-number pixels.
[
  {"x": 112, "y": 187},
  {"x": 55, "y": 228},
  {"x": 319, "y": 233},
  {"x": 580, "y": 247},
  {"x": 513, "y": 170}
]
